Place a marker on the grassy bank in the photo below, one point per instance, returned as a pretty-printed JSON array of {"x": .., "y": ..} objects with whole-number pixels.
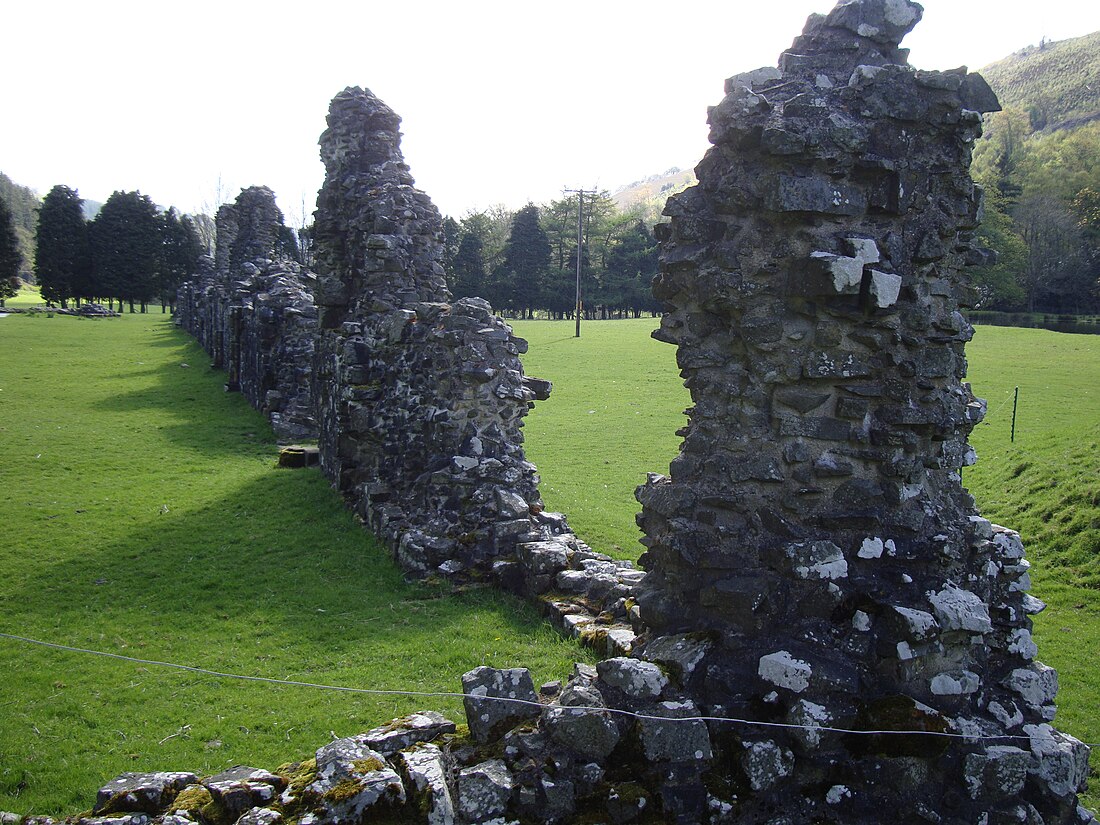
[{"x": 142, "y": 515}]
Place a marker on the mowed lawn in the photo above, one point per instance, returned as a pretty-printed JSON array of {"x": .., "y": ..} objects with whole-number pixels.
[
  {"x": 618, "y": 399},
  {"x": 141, "y": 513}
]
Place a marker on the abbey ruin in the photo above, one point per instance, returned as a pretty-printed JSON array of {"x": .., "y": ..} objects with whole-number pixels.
[{"x": 826, "y": 629}]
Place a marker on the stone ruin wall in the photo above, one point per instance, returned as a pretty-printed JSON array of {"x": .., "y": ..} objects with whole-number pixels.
[
  {"x": 814, "y": 525},
  {"x": 814, "y": 560},
  {"x": 417, "y": 402},
  {"x": 420, "y": 401},
  {"x": 255, "y": 315}
]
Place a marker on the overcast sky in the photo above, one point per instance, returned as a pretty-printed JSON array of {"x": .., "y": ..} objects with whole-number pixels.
[{"x": 502, "y": 101}]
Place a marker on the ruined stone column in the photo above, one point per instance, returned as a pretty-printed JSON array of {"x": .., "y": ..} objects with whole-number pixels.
[
  {"x": 217, "y": 294},
  {"x": 255, "y": 229},
  {"x": 813, "y": 532},
  {"x": 420, "y": 401}
]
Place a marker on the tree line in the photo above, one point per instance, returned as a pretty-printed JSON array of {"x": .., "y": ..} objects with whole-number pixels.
[
  {"x": 131, "y": 252},
  {"x": 525, "y": 262},
  {"x": 1042, "y": 214}
]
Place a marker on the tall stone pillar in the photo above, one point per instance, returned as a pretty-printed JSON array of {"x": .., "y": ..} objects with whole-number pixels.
[
  {"x": 814, "y": 530},
  {"x": 420, "y": 402}
]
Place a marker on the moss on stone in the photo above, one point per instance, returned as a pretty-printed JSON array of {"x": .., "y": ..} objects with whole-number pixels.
[
  {"x": 368, "y": 765},
  {"x": 343, "y": 791},
  {"x": 298, "y": 775},
  {"x": 192, "y": 798},
  {"x": 197, "y": 799}
]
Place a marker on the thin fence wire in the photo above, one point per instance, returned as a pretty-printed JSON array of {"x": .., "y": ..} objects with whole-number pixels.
[{"x": 522, "y": 702}]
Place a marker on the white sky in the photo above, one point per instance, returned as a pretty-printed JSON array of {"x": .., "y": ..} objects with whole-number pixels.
[{"x": 502, "y": 100}]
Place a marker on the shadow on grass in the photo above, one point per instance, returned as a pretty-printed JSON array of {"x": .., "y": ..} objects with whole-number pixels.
[
  {"x": 278, "y": 560},
  {"x": 190, "y": 404}
]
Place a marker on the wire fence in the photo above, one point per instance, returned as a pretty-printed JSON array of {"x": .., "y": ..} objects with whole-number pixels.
[{"x": 757, "y": 723}]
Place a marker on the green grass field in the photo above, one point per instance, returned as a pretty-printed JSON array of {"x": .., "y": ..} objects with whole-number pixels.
[
  {"x": 28, "y": 296},
  {"x": 142, "y": 515}
]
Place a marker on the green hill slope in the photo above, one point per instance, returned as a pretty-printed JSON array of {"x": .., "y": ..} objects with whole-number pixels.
[
  {"x": 1057, "y": 83},
  {"x": 23, "y": 203},
  {"x": 648, "y": 195}
]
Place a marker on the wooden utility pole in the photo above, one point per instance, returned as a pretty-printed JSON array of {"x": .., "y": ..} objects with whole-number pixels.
[{"x": 580, "y": 193}]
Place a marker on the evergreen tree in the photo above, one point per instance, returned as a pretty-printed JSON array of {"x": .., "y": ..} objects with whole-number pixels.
[
  {"x": 181, "y": 249},
  {"x": 526, "y": 261},
  {"x": 10, "y": 258},
  {"x": 61, "y": 253},
  {"x": 452, "y": 238},
  {"x": 631, "y": 265},
  {"x": 468, "y": 268},
  {"x": 286, "y": 244},
  {"x": 126, "y": 248}
]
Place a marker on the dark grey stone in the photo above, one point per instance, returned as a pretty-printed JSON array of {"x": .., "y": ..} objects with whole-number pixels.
[{"x": 488, "y": 719}]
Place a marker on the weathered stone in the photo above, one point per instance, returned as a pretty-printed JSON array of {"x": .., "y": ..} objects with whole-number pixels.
[
  {"x": 257, "y": 816},
  {"x": 423, "y": 726},
  {"x": 765, "y": 763},
  {"x": 241, "y": 788},
  {"x": 680, "y": 653},
  {"x": 635, "y": 678},
  {"x": 999, "y": 772},
  {"x": 125, "y": 819},
  {"x": 485, "y": 687},
  {"x": 958, "y": 609},
  {"x": 672, "y": 741},
  {"x": 350, "y": 780},
  {"x": 783, "y": 670},
  {"x": 1037, "y": 684},
  {"x": 427, "y": 774},
  {"x": 141, "y": 792},
  {"x": 592, "y": 734},
  {"x": 1063, "y": 761},
  {"x": 484, "y": 791}
]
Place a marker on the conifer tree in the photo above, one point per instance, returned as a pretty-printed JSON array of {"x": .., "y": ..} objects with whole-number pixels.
[
  {"x": 10, "y": 258},
  {"x": 126, "y": 248},
  {"x": 468, "y": 268},
  {"x": 526, "y": 262},
  {"x": 181, "y": 249},
  {"x": 61, "y": 253}
]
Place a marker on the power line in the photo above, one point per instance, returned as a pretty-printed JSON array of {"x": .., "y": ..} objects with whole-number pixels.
[
  {"x": 580, "y": 193},
  {"x": 522, "y": 702}
]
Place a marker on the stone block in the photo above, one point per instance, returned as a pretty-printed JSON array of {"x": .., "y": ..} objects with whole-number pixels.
[
  {"x": 350, "y": 780},
  {"x": 571, "y": 721},
  {"x": 666, "y": 740},
  {"x": 240, "y": 789},
  {"x": 484, "y": 791},
  {"x": 814, "y": 194},
  {"x": 635, "y": 678},
  {"x": 488, "y": 716},
  {"x": 423, "y": 726},
  {"x": 427, "y": 775},
  {"x": 141, "y": 792}
]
